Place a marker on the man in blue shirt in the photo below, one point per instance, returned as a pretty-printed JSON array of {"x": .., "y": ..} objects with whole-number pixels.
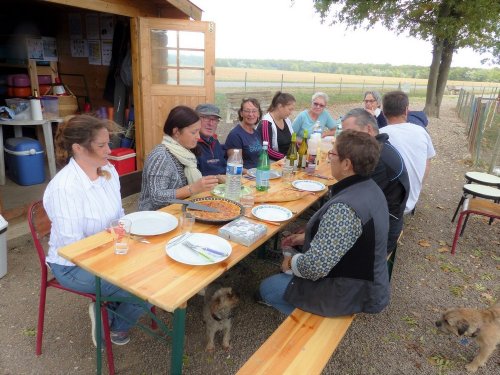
[{"x": 210, "y": 154}]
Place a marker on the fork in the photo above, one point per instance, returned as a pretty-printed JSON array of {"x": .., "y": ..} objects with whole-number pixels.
[
  {"x": 198, "y": 250},
  {"x": 216, "y": 252}
]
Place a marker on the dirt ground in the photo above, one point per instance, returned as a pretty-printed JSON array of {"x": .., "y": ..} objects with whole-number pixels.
[{"x": 400, "y": 340}]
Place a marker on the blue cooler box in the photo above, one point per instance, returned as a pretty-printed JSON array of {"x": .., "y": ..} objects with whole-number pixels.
[{"x": 24, "y": 159}]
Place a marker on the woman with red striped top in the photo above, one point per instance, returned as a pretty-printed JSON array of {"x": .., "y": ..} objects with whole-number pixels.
[{"x": 276, "y": 127}]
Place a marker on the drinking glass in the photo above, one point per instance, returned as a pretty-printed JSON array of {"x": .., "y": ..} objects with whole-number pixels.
[
  {"x": 287, "y": 173},
  {"x": 247, "y": 201},
  {"x": 187, "y": 221},
  {"x": 120, "y": 229}
]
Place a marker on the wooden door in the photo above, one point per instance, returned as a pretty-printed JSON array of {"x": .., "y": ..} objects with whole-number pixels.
[{"x": 173, "y": 64}]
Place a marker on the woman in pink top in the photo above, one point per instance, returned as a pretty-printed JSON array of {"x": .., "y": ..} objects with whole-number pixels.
[{"x": 276, "y": 127}]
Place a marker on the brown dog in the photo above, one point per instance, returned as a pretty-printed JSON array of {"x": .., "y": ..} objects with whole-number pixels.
[
  {"x": 483, "y": 325},
  {"x": 217, "y": 314}
]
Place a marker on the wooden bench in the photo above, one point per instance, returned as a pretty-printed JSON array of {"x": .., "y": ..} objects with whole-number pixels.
[
  {"x": 234, "y": 102},
  {"x": 302, "y": 344}
]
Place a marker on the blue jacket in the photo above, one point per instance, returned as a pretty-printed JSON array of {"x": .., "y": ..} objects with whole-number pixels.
[{"x": 211, "y": 157}]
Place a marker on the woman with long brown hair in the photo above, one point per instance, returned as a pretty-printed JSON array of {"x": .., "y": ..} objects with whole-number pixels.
[{"x": 80, "y": 201}]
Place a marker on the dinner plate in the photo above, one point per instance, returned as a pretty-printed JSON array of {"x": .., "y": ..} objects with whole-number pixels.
[
  {"x": 220, "y": 190},
  {"x": 272, "y": 212},
  {"x": 183, "y": 254},
  {"x": 308, "y": 185},
  {"x": 151, "y": 223},
  {"x": 273, "y": 173}
]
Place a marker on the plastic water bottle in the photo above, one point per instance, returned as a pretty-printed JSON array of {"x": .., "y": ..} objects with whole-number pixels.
[
  {"x": 339, "y": 129},
  {"x": 316, "y": 129},
  {"x": 234, "y": 170}
]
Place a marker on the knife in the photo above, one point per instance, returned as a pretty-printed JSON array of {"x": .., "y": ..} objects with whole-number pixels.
[{"x": 192, "y": 205}]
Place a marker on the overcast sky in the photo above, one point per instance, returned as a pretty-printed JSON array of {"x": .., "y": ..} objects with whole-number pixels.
[{"x": 274, "y": 29}]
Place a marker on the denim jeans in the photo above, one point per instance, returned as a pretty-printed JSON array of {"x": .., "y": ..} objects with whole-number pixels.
[
  {"x": 76, "y": 278},
  {"x": 272, "y": 291}
]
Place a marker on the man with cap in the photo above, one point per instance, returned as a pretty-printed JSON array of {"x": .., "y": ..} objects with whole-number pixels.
[{"x": 210, "y": 154}]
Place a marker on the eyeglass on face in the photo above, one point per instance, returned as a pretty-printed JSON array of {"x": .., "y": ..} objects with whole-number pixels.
[
  {"x": 250, "y": 111},
  {"x": 319, "y": 105},
  {"x": 369, "y": 100},
  {"x": 211, "y": 119},
  {"x": 331, "y": 154}
]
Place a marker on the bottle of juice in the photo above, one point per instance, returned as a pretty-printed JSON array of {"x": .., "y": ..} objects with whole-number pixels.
[
  {"x": 303, "y": 152},
  {"x": 292, "y": 155}
]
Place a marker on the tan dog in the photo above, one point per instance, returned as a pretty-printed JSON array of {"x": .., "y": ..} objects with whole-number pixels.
[
  {"x": 217, "y": 314},
  {"x": 483, "y": 325}
]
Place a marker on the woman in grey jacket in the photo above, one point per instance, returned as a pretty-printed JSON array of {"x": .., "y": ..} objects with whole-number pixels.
[{"x": 343, "y": 269}]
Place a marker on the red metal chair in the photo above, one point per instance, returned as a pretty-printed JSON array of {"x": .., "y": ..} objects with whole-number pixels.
[
  {"x": 476, "y": 206},
  {"x": 40, "y": 226}
]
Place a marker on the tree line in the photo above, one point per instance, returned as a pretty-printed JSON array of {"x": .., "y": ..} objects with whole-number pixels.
[{"x": 378, "y": 70}]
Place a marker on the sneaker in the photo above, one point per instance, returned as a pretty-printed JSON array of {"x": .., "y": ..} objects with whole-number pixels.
[
  {"x": 92, "y": 321},
  {"x": 258, "y": 299},
  {"x": 119, "y": 338}
]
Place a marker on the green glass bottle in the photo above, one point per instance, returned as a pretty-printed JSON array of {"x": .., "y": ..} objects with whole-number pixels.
[
  {"x": 292, "y": 155},
  {"x": 263, "y": 170},
  {"x": 303, "y": 151}
]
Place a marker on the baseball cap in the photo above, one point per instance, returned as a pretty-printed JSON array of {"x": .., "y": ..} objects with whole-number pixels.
[{"x": 207, "y": 110}]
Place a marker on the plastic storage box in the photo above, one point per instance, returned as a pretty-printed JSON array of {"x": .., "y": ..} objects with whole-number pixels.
[
  {"x": 3, "y": 246},
  {"x": 123, "y": 159},
  {"x": 24, "y": 159},
  {"x": 50, "y": 107},
  {"x": 242, "y": 231}
]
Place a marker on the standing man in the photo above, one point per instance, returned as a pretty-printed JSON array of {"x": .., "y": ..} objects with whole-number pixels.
[
  {"x": 390, "y": 173},
  {"x": 412, "y": 141},
  {"x": 210, "y": 154}
]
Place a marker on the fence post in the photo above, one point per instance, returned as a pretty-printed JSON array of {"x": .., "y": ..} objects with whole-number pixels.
[
  {"x": 340, "y": 87},
  {"x": 363, "y": 88},
  {"x": 415, "y": 88},
  {"x": 245, "y": 81},
  {"x": 314, "y": 84},
  {"x": 281, "y": 82},
  {"x": 383, "y": 82}
]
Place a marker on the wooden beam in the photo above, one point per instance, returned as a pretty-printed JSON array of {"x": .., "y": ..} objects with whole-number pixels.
[
  {"x": 134, "y": 8},
  {"x": 128, "y": 8},
  {"x": 188, "y": 8}
]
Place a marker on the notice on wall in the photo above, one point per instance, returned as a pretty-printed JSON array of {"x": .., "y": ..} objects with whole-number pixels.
[
  {"x": 106, "y": 51},
  {"x": 92, "y": 26},
  {"x": 49, "y": 48},
  {"x": 35, "y": 48},
  {"x": 75, "y": 26},
  {"x": 94, "y": 52},
  {"x": 107, "y": 26},
  {"x": 79, "y": 48}
]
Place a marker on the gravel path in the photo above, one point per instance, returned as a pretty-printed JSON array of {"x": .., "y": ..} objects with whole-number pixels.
[{"x": 400, "y": 340}]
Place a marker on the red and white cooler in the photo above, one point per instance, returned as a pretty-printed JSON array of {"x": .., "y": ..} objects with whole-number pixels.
[{"x": 123, "y": 159}]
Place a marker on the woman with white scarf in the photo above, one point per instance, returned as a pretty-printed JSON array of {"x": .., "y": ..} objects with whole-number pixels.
[
  {"x": 170, "y": 169},
  {"x": 276, "y": 127}
]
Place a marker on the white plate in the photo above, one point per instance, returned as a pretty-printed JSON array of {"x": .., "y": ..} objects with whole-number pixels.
[
  {"x": 273, "y": 173},
  {"x": 151, "y": 223},
  {"x": 184, "y": 254},
  {"x": 308, "y": 185},
  {"x": 272, "y": 212}
]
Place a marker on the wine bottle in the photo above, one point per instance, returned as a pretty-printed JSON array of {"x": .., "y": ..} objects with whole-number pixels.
[
  {"x": 292, "y": 155},
  {"x": 303, "y": 151},
  {"x": 263, "y": 170}
]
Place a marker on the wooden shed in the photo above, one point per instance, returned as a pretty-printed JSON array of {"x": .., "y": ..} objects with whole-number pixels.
[{"x": 172, "y": 53}]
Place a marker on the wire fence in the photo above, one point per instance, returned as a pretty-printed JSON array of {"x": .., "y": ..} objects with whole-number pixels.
[{"x": 481, "y": 113}]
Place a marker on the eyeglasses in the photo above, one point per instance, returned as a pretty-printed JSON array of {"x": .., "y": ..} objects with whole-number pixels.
[
  {"x": 250, "y": 111},
  {"x": 331, "y": 154},
  {"x": 211, "y": 119},
  {"x": 319, "y": 105},
  {"x": 369, "y": 100}
]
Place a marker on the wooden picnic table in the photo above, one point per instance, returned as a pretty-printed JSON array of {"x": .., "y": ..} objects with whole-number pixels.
[{"x": 149, "y": 274}]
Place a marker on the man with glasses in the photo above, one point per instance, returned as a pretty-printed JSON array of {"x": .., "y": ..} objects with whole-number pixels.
[
  {"x": 390, "y": 173},
  {"x": 210, "y": 154}
]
